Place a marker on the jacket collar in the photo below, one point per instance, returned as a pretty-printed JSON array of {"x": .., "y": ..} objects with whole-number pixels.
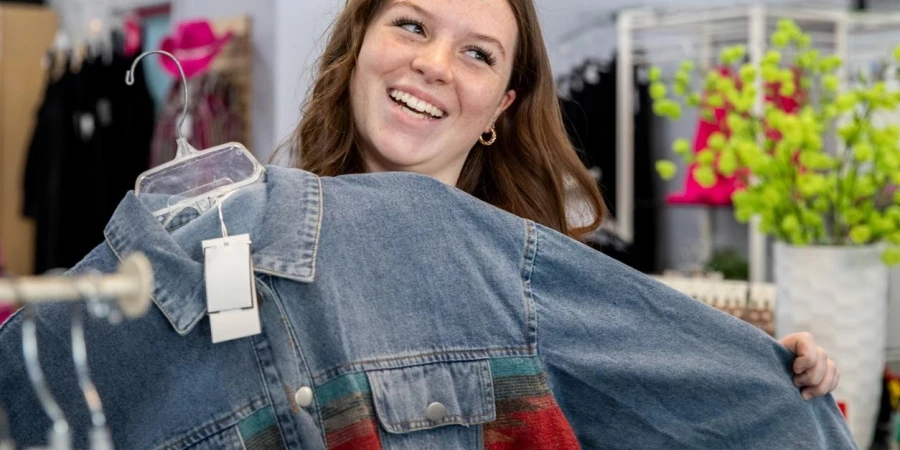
[{"x": 283, "y": 217}]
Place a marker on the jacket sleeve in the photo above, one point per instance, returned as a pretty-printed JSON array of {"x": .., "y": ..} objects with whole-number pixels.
[{"x": 635, "y": 364}]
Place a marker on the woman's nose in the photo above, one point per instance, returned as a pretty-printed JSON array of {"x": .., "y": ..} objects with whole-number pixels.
[{"x": 434, "y": 62}]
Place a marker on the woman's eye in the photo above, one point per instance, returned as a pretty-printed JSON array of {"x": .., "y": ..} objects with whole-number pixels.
[
  {"x": 481, "y": 55},
  {"x": 413, "y": 26},
  {"x": 478, "y": 54}
]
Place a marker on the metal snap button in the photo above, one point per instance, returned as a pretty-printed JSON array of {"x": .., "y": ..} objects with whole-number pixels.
[
  {"x": 435, "y": 412},
  {"x": 304, "y": 396}
]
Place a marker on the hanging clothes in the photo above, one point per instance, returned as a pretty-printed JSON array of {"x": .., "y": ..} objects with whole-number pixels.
[
  {"x": 91, "y": 141},
  {"x": 213, "y": 117},
  {"x": 590, "y": 118}
]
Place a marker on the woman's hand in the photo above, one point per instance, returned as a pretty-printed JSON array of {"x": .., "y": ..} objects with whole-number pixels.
[{"x": 813, "y": 371}]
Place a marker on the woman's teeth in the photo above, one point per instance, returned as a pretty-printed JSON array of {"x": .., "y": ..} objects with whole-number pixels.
[{"x": 416, "y": 104}]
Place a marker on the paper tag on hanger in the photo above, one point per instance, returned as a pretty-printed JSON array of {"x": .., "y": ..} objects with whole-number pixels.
[{"x": 230, "y": 288}]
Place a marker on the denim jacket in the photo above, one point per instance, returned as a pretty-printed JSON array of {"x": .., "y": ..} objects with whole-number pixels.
[{"x": 401, "y": 313}]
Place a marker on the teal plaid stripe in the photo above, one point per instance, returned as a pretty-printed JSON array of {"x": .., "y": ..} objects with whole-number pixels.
[{"x": 260, "y": 431}]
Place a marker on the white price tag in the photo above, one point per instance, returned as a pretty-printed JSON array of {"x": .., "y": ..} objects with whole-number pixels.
[{"x": 230, "y": 289}]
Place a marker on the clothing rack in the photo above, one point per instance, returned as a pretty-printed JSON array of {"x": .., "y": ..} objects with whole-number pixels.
[
  {"x": 711, "y": 28},
  {"x": 131, "y": 286}
]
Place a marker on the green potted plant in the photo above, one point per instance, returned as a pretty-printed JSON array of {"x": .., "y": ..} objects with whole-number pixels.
[{"x": 821, "y": 178}]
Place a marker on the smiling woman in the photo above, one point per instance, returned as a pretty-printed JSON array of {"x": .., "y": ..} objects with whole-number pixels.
[
  {"x": 433, "y": 60},
  {"x": 460, "y": 90}
]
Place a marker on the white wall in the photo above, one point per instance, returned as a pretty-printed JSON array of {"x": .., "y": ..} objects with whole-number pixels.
[
  {"x": 263, "y": 41},
  {"x": 300, "y": 35}
]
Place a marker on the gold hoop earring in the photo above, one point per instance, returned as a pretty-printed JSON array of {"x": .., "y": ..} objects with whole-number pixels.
[{"x": 491, "y": 141}]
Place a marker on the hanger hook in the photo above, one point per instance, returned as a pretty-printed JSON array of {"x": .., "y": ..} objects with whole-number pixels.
[
  {"x": 129, "y": 80},
  {"x": 59, "y": 434},
  {"x": 100, "y": 437}
]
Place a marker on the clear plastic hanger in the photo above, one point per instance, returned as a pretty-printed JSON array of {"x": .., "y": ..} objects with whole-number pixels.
[
  {"x": 60, "y": 437},
  {"x": 195, "y": 176},
  {"x": 100, "y": 437}
]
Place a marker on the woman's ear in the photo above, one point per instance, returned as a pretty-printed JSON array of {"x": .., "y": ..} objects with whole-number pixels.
[{"x": 508, "y": 98}]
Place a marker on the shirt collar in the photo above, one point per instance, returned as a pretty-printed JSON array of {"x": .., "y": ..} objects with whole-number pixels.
[{"x": 283, "y": 217}]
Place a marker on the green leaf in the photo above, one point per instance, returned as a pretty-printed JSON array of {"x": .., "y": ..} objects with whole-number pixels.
[
  {"x": 891, "y": 256},
  {"x": 786, "y": 25},
  {"x": 861, "y": 234},
  {"x": 893, "y": 212},
  {"x": 666, "y": 169},
  {"x": 772, "y": 57},
  {"x": 657, "y": 91},
  {"x": 706, "y": 157},
  {"x": 681, "y": 146},
  {"x": 715, "y": 101},
  {"x": 849, "y": 131},
  {"x": 806, "y": 84},
  {"x": 846, "y": 101},
  {"x": 883, "y": 225},
  {"x": 831, "y": 83},
  {"x": 655, "y": 74},
  {"x": 687, "y": 66},
  {"x": 693, "y": 100},
  {"x": 788, "y": 89},
  {"x": 780, "y": 39},
  {"x": 853, "y": 216},
  {"x": 831, "y": 63},
  {"x": 863, "y": 152},
  {"x": 790, "y": 224},
  {"x": 717, "y": 140},
  {"x": 728, "y": 163},
  {"x": 770, "y": 73},
  {"x": 748, "y": 73},
  {"x": 866, "y": 186},
  {"x": 743, "y": 215},
  {"x": 811, "y": 184},
  {"x": 705, "y": 176}
]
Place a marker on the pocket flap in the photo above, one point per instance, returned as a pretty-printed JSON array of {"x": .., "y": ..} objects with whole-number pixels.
[{"x": 433, "y": 395}]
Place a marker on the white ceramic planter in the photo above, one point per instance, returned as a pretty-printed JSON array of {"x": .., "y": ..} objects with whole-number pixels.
[{"x": 839, "y": 294}]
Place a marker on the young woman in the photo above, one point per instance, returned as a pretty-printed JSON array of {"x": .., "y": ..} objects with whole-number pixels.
[{"x": 461, "y": 90}]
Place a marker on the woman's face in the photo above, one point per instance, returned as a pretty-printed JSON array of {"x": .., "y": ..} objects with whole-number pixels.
[{"x": 431, "y": 77}]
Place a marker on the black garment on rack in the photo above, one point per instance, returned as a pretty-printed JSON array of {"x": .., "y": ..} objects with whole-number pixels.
[
  {"x": 91, "y": 141},
  {"x": 590, "y": 117}
]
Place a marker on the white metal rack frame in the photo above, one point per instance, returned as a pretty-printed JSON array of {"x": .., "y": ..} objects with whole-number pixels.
[
  {"x": 131, "y": 287},
  {"x": 832, "y": 31}
]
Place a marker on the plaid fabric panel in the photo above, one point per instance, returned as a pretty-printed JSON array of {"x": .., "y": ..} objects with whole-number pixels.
[
  {"x": 528, "y": 417},
  {"x": 260, "y": 431},
  {"x": 349, "y": 414}
]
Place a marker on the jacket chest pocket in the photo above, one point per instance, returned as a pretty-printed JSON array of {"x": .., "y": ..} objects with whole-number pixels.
[{"x": 438, "y": 405}]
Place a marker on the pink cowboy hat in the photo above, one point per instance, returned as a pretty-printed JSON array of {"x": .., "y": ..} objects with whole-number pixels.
[{"x": 195, "y": 44}]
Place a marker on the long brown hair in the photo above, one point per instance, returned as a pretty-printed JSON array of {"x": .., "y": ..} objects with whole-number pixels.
[{"x": 526, "y": 171}]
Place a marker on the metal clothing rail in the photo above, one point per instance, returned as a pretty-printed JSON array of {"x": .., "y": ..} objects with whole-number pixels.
[
  {"x": 131, "y": 286},
  {"x": 704, "y": 27}
]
